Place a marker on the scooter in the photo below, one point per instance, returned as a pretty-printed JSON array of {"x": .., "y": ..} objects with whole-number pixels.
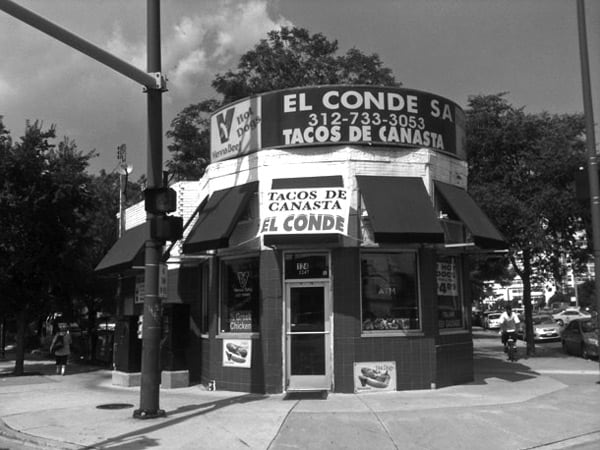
[{"x": 511, "y": 347}]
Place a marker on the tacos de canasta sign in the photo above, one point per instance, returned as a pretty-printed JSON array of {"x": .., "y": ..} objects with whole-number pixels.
[
  {"x": 329, "y": 115},
  {"x": 305, "y": 210}
]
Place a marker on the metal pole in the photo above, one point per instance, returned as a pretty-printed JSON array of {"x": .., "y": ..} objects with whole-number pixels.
[
  {"x": 150, "y": 376},
  {"x": 121, "y": 205},
  {"x": 591, "y": 148}
]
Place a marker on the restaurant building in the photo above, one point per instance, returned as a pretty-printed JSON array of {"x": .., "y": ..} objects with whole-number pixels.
[{"x": 325, "y": 248}]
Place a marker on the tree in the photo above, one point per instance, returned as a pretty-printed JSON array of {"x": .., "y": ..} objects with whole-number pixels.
[
  {"x": 521, "y": 170},
  {"x": 190, "y": 149},
  {"x": 45, "y": 202},
  {"x": 289, "y": 57}
]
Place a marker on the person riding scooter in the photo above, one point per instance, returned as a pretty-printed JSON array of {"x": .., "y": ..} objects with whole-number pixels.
[{"x": 508, "y": 325}]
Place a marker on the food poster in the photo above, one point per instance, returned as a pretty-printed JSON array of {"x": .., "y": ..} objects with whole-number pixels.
[
  {"x": 449, "y": 301},
  {"x": 374, "y": 376},
  {"x": 237, "y": 352}
]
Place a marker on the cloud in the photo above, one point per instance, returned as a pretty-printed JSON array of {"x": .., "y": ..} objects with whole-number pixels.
[
  {"x": 199, "y": 47},
  {"x": 132, "y": 52},
  {"x": 100, "y": 108}
]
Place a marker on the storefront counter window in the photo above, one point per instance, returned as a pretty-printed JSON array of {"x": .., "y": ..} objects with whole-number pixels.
[
  {"x": 450, "y": 308},
  {"x": 390, "y": 299},
  {"x": 239, "y": 296}
]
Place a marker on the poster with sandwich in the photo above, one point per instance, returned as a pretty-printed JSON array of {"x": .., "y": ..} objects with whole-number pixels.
[
  {"x": 237, "y": 352},
  {"x": 374, "y": 376}
]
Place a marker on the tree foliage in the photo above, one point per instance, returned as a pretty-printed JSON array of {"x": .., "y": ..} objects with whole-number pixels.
[
  {"x": 521, "y": 170},
  {"x": 289, "y": 57},
  {"x": 58, "y": 221},
  {"x": 45, "y": 200}
]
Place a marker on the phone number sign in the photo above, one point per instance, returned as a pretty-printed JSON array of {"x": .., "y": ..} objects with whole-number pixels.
[{"x": 329, "y": 115}]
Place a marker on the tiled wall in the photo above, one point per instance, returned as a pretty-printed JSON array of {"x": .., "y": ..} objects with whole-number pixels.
[
  {"x": 414, "y": 355},
  {"x": 423, "y": 360}
]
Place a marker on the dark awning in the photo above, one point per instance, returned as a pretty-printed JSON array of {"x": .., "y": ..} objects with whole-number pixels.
[
  {"x": 217, "y": 220},
  {"x": 400, "y": 210},
  {"x": 126, "y": 252},
  {"x": 485, "y": 234}
]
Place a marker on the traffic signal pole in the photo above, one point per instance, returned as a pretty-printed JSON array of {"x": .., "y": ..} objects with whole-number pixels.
[
  {"x": 150, "y": 381},
  {"x": 154, "y": 84}
]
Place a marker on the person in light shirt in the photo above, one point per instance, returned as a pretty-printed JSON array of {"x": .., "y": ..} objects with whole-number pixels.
[
  {"x": 508, "y": 325},
  {"x": 61, "y": 348}
]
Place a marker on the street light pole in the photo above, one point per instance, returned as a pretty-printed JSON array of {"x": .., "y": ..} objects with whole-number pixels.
[{"x": 591, "y": 148}]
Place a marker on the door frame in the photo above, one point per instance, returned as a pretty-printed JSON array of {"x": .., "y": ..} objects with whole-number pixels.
[{"x": 308, "y": 382}]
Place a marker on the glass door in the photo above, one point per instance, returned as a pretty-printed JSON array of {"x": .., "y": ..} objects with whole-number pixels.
[{"x": 308, "y": 336}]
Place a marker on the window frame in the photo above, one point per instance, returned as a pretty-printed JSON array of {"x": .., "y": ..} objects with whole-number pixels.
[
  {"x": 395, "y": 332},
  {"x": 221, "y": 333}
]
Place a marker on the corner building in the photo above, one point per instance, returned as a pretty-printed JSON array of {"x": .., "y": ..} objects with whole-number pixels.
[{"x": 325, "y": 248}]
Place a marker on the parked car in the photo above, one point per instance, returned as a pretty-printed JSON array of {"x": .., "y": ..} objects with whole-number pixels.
[
  {"x": 580, "y": 337},
  {"x": 545, "y": 328},
  {"x": 492, "y": 321},
  {"x": 564, "y": 317}
]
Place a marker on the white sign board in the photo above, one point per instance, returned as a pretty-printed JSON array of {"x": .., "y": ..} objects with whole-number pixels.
[{"x": 305, "y": 211}]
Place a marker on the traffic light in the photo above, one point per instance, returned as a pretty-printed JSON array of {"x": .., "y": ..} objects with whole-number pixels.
[
  {"x": 166, "y": 228},
  {"x": 160, "y": 200}
]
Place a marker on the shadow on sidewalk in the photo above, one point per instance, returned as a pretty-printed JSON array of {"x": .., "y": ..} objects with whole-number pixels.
[
  {"x": 485, "y": 367},
  {"x": 137, "y": 439}
]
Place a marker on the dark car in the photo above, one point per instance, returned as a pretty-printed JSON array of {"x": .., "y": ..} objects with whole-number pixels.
[{"x": 580, "y": 337}]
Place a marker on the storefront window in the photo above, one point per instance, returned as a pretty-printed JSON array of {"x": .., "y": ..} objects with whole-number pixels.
[
  {"x": 450, "y": 309},
  {"x": 390, "y": 300},
  {"x": 239, "y": 296}
]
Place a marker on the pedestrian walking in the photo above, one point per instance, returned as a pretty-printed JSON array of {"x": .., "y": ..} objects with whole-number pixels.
[{"x": 61, "y": 348}]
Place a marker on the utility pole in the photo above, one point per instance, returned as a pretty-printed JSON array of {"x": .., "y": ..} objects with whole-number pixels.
[
  {"x": 150, "y": 381},
  {"x": 154, "y": 83},
  {"x": 590, "y": 140}
]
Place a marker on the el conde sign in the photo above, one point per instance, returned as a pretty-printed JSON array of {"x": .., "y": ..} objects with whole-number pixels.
[
  {"x": 366, "y": 116},
  {"x": 305, "y": 201}
]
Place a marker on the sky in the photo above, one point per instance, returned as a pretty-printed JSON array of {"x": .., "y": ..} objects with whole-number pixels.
[{"x": 453, "y": 48}]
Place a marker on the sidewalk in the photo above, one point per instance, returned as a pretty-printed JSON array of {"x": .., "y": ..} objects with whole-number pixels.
[{"x": 543, "y": 402}]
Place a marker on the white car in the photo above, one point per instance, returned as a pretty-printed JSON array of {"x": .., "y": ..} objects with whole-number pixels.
[
  {"x": 492, "y": 321},
  {"x": 564, "y": 317}
]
